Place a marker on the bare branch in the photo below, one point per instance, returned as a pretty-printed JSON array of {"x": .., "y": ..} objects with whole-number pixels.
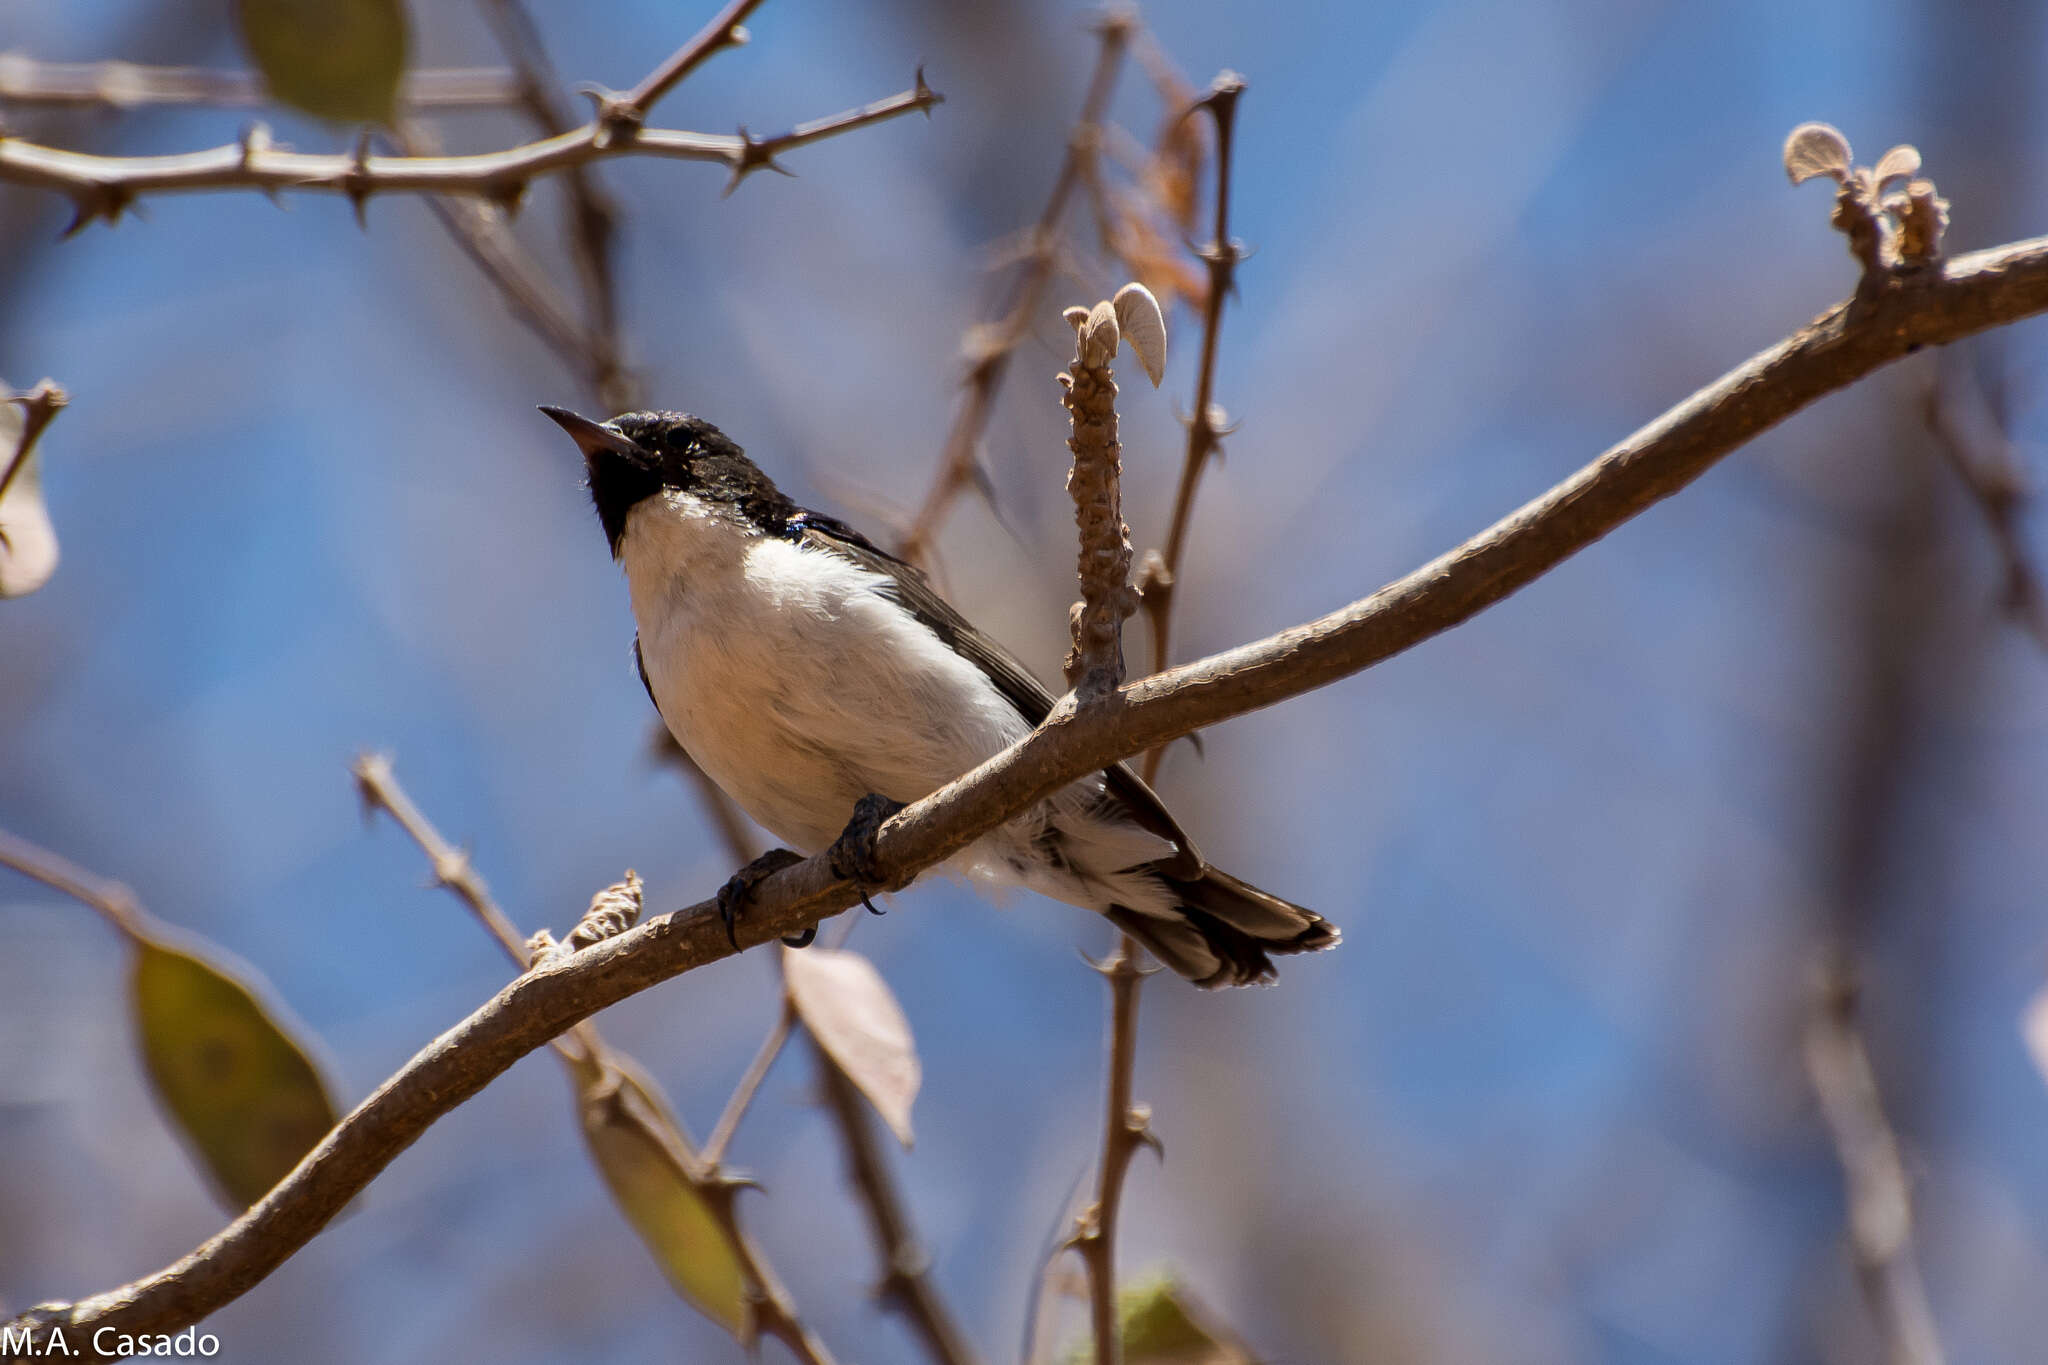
[
  {"x": 592, "y": 218},
  {"x": 989, "y": 346},
  {"x": 28, "y": 83},
  {"x": 1126, "y": 1127},
  {"x": 1206, "y": 422},
  {"x": 906, "y": 1285},
  {"x": 750, "y": 1083},
  {"x": 776, "y": 1314},
  {"x": 114, "y": 901},
  {"x": 1982, "y": 455},
  {"x": 1962, "y": 296},
  {"x": 103, "y": 186},
  {"x": 722, "y": 32},
  {"x": 1874, "y": 1178},
  {"x": 1095, "y": 664}
]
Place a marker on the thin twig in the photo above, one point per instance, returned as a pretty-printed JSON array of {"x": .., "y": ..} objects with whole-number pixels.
[
  {"x": 114, "y": 901},
  {"x": 1961, "y": 297},
  {"x": 591, "y": 217},
  {"x": 990, "y": 345},
  {"x": 906, "y": 1285},
  {"x": 39, "y": 407},
  {"x": 28, "y": 83},
  {"x": 1873, "y": 1176},
  {"x": 1206, "y": 422},
  {"x": 722, "y": 32},
  {"x": 1982, "y": 455},
  {"x": 750, "y": 1083},
  {"x": 1125, "y": 1128},
  {"x": 775, "y": 1313},
  {"x": 481, "y": 230},
  {"x": 104, "y": 186}
]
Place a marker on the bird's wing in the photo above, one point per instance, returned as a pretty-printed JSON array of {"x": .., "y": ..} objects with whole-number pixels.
[{"x": 914, "y": 592}]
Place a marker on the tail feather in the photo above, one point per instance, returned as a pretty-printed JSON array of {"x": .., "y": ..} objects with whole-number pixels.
[{"x": 1224, "y": 929}]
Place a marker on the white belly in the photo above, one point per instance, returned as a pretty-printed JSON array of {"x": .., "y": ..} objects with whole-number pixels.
[{"x": 791, "y": 681}]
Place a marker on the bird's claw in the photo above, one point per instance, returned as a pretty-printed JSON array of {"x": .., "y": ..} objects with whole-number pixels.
[
  {"x": 739, "y": 889},
  {"x": 852, "y": 854}
]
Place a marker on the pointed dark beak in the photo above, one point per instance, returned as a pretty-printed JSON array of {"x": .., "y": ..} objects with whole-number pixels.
[{"x": 592, "y": 438}]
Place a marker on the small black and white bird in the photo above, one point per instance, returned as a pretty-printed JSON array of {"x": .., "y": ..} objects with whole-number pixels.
[{"x": 804, "y": 669}]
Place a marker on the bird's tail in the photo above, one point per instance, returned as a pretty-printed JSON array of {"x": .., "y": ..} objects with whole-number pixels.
[{"x": 1223, "y": 929}]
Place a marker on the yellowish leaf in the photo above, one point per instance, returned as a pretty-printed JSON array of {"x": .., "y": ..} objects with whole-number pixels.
[
  {"x": 340, "y": 60},
  {"x": 246, "y": 1096},
  {"x": 854, "y": 1016},
  {"x": 1160, "y": 1323},
  {"x": 645, "y": 1161}
]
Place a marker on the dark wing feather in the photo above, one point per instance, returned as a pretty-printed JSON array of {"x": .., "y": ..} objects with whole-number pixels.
[{"x": 1023, "y": 691}]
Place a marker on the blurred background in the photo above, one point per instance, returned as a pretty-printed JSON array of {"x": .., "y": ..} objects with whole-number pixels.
[{"x": 1546, "y": 1104}]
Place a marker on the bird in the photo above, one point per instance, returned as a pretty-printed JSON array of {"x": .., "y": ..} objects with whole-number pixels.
[{"x": 814, "y": 677}]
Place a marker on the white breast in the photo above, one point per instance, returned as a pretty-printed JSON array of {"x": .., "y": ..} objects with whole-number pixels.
[{"x": 791, "y": 679}]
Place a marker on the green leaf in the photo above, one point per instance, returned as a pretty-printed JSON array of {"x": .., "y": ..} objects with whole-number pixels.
[
  {"x": 1162, "y": 1324},
  {"x": 643, "y": 1157},
  {"x": 248, "y": 1099},
  {"x": 340, "y": 60}
]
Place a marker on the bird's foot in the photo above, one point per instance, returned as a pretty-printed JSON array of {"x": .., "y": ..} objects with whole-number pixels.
[
  {"x": 739, "y": 889},
  {"x": 852, "y": 854}
]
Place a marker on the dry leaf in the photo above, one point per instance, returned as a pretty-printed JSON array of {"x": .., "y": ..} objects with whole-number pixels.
[
  {"x": 248, "y": 1099},
  {"x": 854, "y": 1016},
  {"x": 1144, "y": 327},
  {"x": 1900, "y": 163},
  {"x": 645, "y": 1162},
  {"x": 1816, "y": 149},
  {"x": 340, "y": 60}
]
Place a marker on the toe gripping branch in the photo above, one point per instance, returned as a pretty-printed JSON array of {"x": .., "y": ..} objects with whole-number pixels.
[
  {"x": 851, "y": 856},
  {"x": 739, "y": 889}
]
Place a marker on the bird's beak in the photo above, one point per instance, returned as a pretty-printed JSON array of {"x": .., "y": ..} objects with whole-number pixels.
[{"x": 592, "y": 438}]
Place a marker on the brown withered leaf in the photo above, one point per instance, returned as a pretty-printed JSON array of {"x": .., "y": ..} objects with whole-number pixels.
[
  {"x": 247, "y": 1098},
  {"x": 340, "y": 60},
  {"x": 641, "y": 1153},
  {"x": 1814, "y": 149},
  {"x": 852, "y": 1013}
]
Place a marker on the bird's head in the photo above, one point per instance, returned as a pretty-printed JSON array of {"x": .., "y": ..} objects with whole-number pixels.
[{"x": 637, "y": 455}]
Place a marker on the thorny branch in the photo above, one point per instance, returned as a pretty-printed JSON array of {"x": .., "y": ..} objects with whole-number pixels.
[
  {"x": 1207, "y": 422},
  {"x": 1931, "y": 307},
  {"x": 28, "y": 83},
  {"x": 592, "y": 219},
  {"x": 990, "y": 345},
  {"x": 104, "y": 186},
  {"x": 775, "y": 1314}
]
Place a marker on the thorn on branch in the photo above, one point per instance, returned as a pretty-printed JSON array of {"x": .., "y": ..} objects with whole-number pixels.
[{"x": 754, "y": 154}]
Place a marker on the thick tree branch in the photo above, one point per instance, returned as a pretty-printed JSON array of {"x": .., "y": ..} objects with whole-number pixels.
[
  {"x": 1961, "y": 297},
  {"x": 102, "y": 186}
]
